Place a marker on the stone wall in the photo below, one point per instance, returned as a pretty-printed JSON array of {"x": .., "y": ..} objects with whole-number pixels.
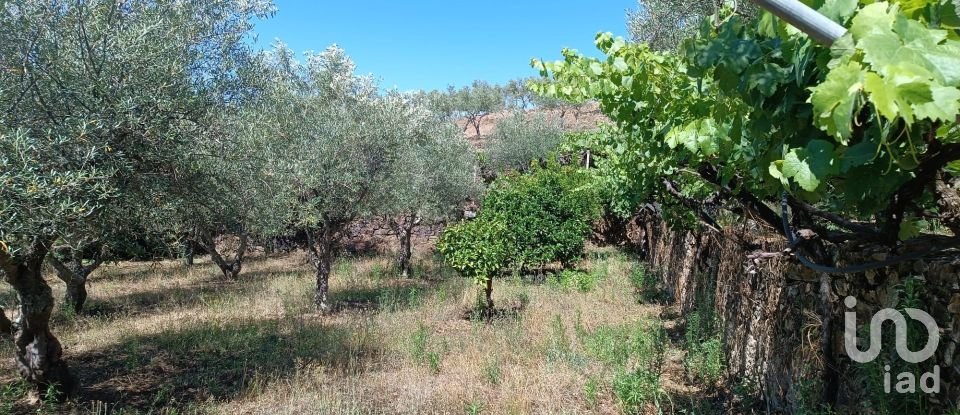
[{"x": 769, "y": 317}]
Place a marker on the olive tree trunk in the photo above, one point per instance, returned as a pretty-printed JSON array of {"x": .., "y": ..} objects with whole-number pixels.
[
  {"x": 230, "y": 268},
  {"x": 38, "y": 354},
  {"x": 74, "y": 275},
  {"x": 322, "y": 244},
  {"x": 188, "y": 252},
  {"x": 403, "y": 228}
]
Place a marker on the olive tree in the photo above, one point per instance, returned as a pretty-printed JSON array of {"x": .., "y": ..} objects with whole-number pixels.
[
  {"x": 230, "y": 191},
  {"x": 477, "y": 101},
  {"x": 518, "y": 94},
  {"x": 521, "y": 139},
  {"x": 97, "y": 98},
  {"x": 664, "y": 24},
  {"x": 550, "y": 103},
  {"x": 431, "y": 181},
  {"x": 333, "y": 140}
]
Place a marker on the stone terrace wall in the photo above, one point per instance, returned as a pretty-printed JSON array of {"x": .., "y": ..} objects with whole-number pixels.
[{"x": 767, "y": 308}]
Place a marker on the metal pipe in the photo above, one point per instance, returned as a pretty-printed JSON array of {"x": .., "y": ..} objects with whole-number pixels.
[{"x": 808, "y": 20}]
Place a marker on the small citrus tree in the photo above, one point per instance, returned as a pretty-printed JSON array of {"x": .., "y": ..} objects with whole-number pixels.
[{"x": 526, "y": 222}]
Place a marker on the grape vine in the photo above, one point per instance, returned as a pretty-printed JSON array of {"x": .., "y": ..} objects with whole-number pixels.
[{"x": 862, "y": 136}]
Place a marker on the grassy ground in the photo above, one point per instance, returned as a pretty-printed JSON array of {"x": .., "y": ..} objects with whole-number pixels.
[{"x": 165, "y": 338}]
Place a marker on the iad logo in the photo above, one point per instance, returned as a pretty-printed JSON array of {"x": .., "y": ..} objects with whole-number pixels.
[{"x": 906, "y": 381}]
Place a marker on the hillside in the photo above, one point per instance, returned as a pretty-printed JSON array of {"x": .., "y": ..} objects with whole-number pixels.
[{"x": 588, "y": 118}]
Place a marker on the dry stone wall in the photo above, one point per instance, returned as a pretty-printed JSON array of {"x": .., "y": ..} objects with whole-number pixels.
[{"x": 769, "y": 317}]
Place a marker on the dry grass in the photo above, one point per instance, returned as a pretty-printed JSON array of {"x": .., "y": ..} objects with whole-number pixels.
[{"x": 161, "y": 337}]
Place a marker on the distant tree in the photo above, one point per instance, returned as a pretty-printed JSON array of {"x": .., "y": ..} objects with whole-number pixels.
[
  {"x": 521, "y": 139},
  {"x": 431, "y": 181},
  {"x": 477, "y": 101},
  {"x": 560, "y": 106},
  {"x": 443, "y": 104},
  {"x": 664, "y": 24},
  {"x": 97, "y": 100},
  {"x": 518, "y": 95}
]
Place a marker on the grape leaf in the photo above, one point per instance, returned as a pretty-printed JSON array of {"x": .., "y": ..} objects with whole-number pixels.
[
  {"x": 835, "y": 99},
  {"x": 873, "y": 18},
  {"x": 839, "y": 10},
  {"x": 799, "y": 171},
  {"x": 944, "y": 107}
]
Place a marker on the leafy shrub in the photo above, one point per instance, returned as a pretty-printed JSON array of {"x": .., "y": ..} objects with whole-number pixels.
[
  {"x": 477, "y": 248},
  {"x": 526, "y": 221},
  {"x": 549, "y": 211}
]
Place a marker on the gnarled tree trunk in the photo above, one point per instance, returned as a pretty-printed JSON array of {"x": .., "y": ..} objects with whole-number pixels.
[
  {"x": 188, "y": 252},
  {"x": 230, "y": 268},
  {"x": 322, "y": 243},
  {"x": 75, "y": 276},
  {"x": 38, "y": 352},
  {"x": 403, "y": 227},
  {"x": 948, "y": 199}
]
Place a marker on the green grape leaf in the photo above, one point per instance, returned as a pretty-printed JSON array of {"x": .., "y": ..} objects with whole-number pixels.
[
  {"x": 944, "y": 106},
  {"x": 950, "y": 14},
  {"x": 873, "y": 18},
  {"x": 839, "y": 10},
  {"x": 911, "y": 7},
  {"x": 882, "y": 94},
  {"x": 820, "y": 157},
  {"x": 835, "y": 100},
  {"x": 910, "y": 228},
  {"x": 946, "y": 60},
  {"x": 799, "y": 171}
]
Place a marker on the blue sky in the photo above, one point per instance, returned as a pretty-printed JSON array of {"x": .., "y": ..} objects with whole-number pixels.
[{"x": 431, "y": 44}]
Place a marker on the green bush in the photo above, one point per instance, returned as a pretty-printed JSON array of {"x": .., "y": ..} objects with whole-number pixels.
[
  {"x": 549, "y": 211},
  {"x": 477, "y": 248},
  {"x": 526, "y": 222}
]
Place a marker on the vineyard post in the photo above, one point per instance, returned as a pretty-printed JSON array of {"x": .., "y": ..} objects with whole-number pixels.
[{"x": 808, "y": 20}]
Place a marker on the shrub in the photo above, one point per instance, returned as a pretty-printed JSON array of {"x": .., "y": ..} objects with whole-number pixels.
[
  {"x": 526, "y": 221},
  {"x": 549, "y": 211},
  {"x": 477, "y": 249}
]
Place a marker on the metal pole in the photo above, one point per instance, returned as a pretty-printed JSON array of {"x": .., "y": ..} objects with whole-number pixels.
[{"x": 808, "y": 20}]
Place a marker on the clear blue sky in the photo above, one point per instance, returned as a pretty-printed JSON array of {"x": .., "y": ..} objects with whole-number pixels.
[{"x": 429, "y": 44}]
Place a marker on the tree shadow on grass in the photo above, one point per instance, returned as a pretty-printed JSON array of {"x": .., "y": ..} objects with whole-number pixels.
[
  {"x": 392, "y": 296},
  {"x": 181, "y": 296},
  {"x": 179, "y": 368}
]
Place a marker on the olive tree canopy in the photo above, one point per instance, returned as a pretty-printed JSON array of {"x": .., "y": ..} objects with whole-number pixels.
[{"x": 96, "y": 100}]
